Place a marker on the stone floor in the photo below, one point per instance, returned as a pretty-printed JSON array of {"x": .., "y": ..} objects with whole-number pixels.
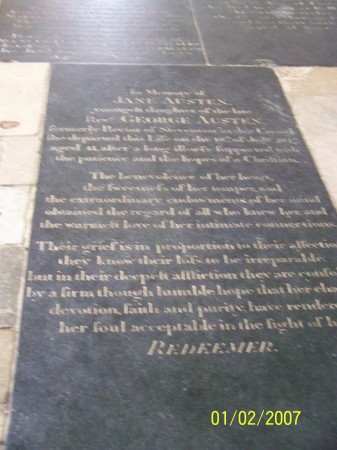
[{"x": 312, "y": 95}]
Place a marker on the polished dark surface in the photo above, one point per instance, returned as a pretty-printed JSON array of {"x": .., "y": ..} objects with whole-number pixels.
[
  {"x": 269, "y": 32},
  {"x": 173, "y": 32},
  {"x": 96, "y": 389},
  {"x": 99, "y": 31}
]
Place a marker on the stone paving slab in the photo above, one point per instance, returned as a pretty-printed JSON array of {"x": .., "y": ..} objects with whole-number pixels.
[
  {"x": 14, "y": 207},
  {"x": 102, "y": 348},
  {"x": 3, "y": 417},
  {"x": 324, "y": 152},
  {"x": 6, "y": 357},
  {"x": 312, "y": 95},
  {"x": 317, "y": 114},
  {"x": 7, "y": 351},
  {"x": 11, "y": 267},
  {"x": 267, "y": 32},
  {"x": 132, "y": 31},
  {"x": 23, "y": 91},
  {"x": 19, "y": 157},
  {"x": 308, "y": 80}
]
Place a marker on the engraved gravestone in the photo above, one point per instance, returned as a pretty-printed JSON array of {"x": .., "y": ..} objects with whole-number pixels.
[
  {"x": 182, "y": 269},
  {"x": 104, "y": 31},
  {"x": 269, "y": 32},
  {"x": 178, "y": 31}
]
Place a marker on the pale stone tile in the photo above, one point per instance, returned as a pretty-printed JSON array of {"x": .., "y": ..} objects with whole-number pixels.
[
  {"x": 19, "y": 158},
  {"x": 7, "y": 346},
  {"x": 23, "y": 93},
  {"x": 3, "y": 417},
  {"x": 308, "y": 80},
  {"x": 323, "y": 148},
  {"x": 12, "y": 260},
  {"x": 14, "y": 202},
  {"x": 29, "y": 217},
  {"x": 316, "y": 116}
]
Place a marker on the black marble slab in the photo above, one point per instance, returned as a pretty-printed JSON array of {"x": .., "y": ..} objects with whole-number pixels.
[
  {"x": 102, "y": 31},
  {"x": 269, "y": 32},
  {"x": 182, "y": 269}
]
